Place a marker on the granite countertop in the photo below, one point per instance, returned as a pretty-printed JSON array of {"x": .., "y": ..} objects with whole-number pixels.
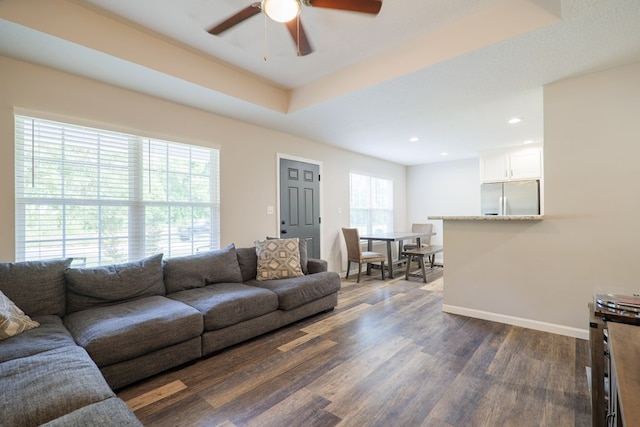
[{"x": 489, "y": 217}]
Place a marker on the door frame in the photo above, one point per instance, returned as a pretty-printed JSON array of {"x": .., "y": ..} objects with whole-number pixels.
[{"x": 318, "y": 163}]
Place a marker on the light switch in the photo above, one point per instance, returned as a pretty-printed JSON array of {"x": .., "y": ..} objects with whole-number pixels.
[{"x": 269, "y": 210}]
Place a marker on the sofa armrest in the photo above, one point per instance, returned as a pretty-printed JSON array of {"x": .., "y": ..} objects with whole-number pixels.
[{"x": 316, "y": 265}]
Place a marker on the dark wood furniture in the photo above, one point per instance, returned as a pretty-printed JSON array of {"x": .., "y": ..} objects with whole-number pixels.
[
  {"x": 624, "y": 351},
  {"x": 420, "y": 253},
  {"x": 597, "y": 325},
  {"x": 389, "y": 238},
  {"x": 601, "y": 320}
]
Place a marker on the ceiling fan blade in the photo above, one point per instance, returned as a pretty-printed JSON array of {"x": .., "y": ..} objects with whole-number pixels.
[
  {"x": 363, "y": 6},
  {"x": 244, "y": 14},
  {"x": 295, "y": 27}
]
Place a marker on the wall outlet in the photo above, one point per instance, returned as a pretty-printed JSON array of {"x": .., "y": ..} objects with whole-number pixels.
[{"x": 269, "y": 210}]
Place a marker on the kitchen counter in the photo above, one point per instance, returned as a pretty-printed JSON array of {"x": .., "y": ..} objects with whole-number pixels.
[{"x": 490, "y": 218}]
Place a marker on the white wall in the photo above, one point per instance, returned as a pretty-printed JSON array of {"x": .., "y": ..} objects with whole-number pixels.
[
  {"x": 445, "y": 188},
  {"x": 248, "y": 153},
  {"x": 543, "y": 274}
]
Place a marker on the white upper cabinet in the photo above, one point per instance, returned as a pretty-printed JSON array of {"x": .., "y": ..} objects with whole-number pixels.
[
  {"x": 526, "y": 164},
  {"x": 494, "y": 167},
  {"x": 511, "y": 165}
]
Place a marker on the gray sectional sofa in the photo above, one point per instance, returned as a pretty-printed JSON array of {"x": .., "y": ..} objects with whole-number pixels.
[{"x": 106, "y": 327}]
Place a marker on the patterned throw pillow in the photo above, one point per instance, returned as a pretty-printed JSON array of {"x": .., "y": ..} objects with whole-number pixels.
[
  {"x": 278, "y": 259},
  {"x": 13, "y": 321}
]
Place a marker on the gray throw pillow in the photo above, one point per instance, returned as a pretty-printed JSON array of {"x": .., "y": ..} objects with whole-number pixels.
[
  {"x": 196, "y": 271},
  {"x": 111, "y": 284},
  {"x": 37, "y": 287}
]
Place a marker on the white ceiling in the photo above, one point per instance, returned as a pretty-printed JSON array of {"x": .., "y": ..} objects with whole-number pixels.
[{"x": 451, "y": 72}]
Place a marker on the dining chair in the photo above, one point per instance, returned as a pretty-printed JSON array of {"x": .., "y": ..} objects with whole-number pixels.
[
  {"x": 356, "y": 254},
  {"x": 425, "y": 242}
]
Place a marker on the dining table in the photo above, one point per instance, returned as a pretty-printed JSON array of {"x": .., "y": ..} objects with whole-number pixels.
[{"x": 391, "y": 237}]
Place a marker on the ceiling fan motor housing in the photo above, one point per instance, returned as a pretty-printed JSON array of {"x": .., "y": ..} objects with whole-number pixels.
[{"x": 281, "y": 10}]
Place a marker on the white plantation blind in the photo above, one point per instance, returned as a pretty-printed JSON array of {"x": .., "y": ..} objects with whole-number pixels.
[
  {"x": 105, "y": 197},
  {"x": 371, "y": 204}
]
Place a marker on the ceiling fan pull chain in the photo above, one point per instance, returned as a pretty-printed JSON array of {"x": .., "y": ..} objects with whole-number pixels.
[
  {"x": 298, "y": 38},
  {"x": 265, "y": 37}
]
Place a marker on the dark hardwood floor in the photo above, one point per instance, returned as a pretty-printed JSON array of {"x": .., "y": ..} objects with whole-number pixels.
[{"x": 387, "y": 356}]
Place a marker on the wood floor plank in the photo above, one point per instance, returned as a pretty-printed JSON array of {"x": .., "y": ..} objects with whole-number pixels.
[
  {"x": 297, "y": 342},
  {"x": 268, "y": 394},
  {"x": 377, "y": 398},
  {"x": 339, "y": 382},
  {"x": 340, "y": 318},
  {"x": 300, "y": 408},
  {"x": 386, "y": 356},
  {"x": 190, "y": 411},
  {"x": 243, "y": 382},
  {"x": 434, "y": 286},
  {"x": 155, "y": 395}
]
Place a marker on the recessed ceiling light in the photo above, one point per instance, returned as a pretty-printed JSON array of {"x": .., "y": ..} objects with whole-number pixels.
[
  {"x": 515, "y": 120},
  {"x": 414, "y": 139},
  {"x": 528, "y": 141},
  {"x": 444, "y": 154}
]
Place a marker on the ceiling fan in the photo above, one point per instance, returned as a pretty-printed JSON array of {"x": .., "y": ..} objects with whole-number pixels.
[{"x": 285, "y": 11}]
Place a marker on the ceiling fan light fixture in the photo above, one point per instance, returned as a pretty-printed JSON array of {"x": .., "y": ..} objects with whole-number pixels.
[{"x": 281, "y": 10}]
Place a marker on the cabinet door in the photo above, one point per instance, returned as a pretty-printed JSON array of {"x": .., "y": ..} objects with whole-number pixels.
[
  {"x": 495, "y": 168},
  {"x": 525, "y": 165}
]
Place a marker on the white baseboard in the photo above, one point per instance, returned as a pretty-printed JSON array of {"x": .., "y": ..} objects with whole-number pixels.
[{"x": 518, "y": 321}]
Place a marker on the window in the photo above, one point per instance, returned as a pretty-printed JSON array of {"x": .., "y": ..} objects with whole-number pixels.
[
  {"x": 371, "y": 204},
  {"x": 105, "y": 197}
]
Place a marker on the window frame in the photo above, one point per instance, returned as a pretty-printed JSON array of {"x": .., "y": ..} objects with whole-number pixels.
[
  {"x": 137, "y": 204},
  {"x": 373, "y": 205}
]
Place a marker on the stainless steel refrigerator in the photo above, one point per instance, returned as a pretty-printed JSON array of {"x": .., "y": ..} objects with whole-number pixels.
[{"x": 510, "y": 198}]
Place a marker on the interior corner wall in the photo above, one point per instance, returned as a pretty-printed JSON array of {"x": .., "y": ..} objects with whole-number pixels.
[
  {"x": 443, "y": 188},
  {"x": 248, "y": 153},
  {"x": 543, "y": 274}
]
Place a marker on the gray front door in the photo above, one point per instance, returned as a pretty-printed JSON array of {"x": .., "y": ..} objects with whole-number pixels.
[{"x": 300, "y": 203}]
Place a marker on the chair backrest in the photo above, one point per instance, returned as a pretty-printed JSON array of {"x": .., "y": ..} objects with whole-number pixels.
[
  {"x": 352, "y": 239},
  {"x": 423, "y": 228}
]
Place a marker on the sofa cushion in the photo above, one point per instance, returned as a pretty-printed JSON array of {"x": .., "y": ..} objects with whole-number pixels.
[
  {"x": 248, "y": 261},
  {"x": 316, "y": 265},
  {"x": 278, "y": 259},
  {"x": 46, "y": 386},
  {"x": 37, "y": 287},
  {"x": 297, "y": 291},
  {"x": 111, "y": 284},
  {"x": 13, "y": 321},
  {"x": 110, "y": 412},
  {"x": 130, "y": 329},
  {"x": 196, "y": 271},
  {"x": 226, "y": 304},
  {"x": 51, "y": 334}
]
